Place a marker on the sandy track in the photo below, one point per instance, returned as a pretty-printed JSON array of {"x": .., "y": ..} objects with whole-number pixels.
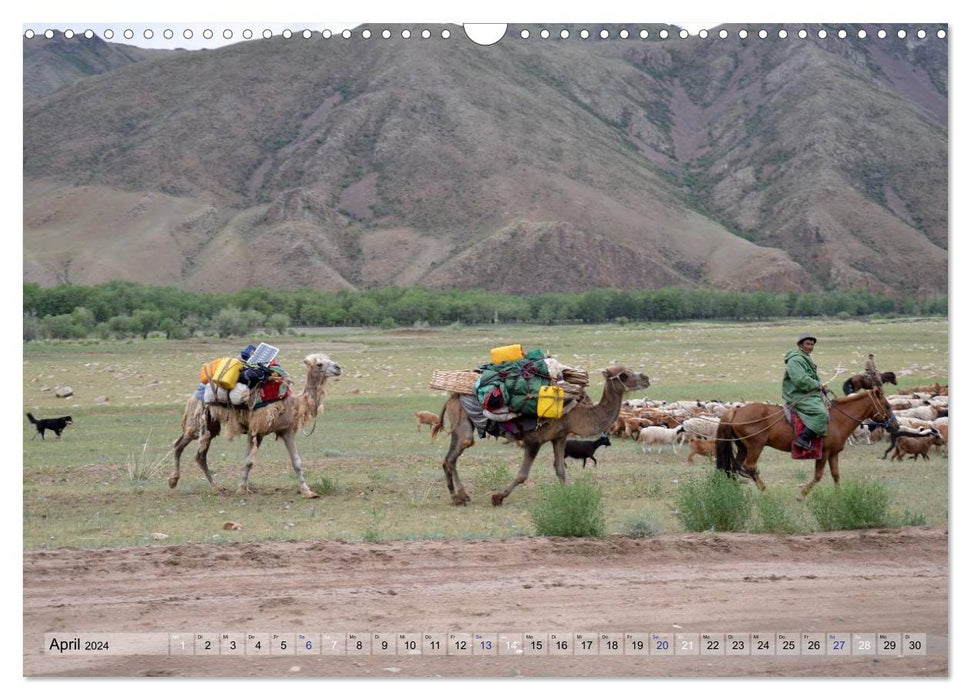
[{"x": 870, "y": 581}]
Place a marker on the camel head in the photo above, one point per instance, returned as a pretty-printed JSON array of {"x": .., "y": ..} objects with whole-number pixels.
[
  {"x": 322, "y": 366},
  {"x": 628, "y": 379}
]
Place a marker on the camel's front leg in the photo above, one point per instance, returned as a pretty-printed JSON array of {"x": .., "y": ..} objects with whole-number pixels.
[
  {"x": 290, "y": 440},
  {"x": 559, "y": 459},
  {"x": 529, "y": 455},
  {"x": 254, "y": 445}
]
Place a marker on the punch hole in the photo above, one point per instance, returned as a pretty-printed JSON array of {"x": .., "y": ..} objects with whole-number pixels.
[
  {"x": 881, "y": 34},
  {"x": 366, "y": 34},
  {"x": 267, "y": 34},
  {"x": 683, "y": 34},
  {"x": 88, "y": 34},
  {"x": 921, "y": 34},
  {"x": 783, "y": 33},
  {"x": 524, "y": 34},
  {"x": 604, "y": 34},
  {"x": 803, "y": 33},
  {"x": 187, "y": 34},
  {"x": 644, "y": 34},
  {"x": 307, "y": 33},
  {"x": 29, "y": 34},
  {"x": 405, "y": 34},
  {"x": 148, "y": 34},
  {"x": 584, "y": 33},
  {"x": 941, "y": 34},
  {"x": 841, "y": 33},
  {"x": 545, "y": 34},
  {"x": 346, "y": 33},
  {"x": 663, "y": 34},
  {"x": 129, "y": 34},
  {"x": 485, "y": 34},
  {"x": 168, "y": 34},
  {"x": 624, "y": 33},
  {"x": 742, "y": 34},
  {"x": 386, "y": 34},
  {"x": 207, "y": 34},
  {"x": 703, "y": 34},
  {"x": 425, "y": 34},
  {"x": 247, "y": 33},
  {"x": 901, "y": 34},
  {"x": 821, "y": 33},
  {"x": 763, "y": 34},
  {"x": 68, "y": 34},
  {"x": 564, "y": 34},
  {"x": 109, "y": 34},
  {"x": 723, "y": 34}
]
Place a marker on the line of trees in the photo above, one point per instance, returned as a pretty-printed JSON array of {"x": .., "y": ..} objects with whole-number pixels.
[{"x": 126, "y": 309}]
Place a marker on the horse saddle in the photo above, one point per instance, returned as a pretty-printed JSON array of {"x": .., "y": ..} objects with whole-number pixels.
[{"x": 815, "y": 451}]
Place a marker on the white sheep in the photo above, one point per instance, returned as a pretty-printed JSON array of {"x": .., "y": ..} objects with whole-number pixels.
[
  {"x": 658, "y": 435},
  {"x": 700, "y": 426}
]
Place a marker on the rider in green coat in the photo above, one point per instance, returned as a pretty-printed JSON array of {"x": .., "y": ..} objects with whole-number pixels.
[{"x": 803, "y": 389}]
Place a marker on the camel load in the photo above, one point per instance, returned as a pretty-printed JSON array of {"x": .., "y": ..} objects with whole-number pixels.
[
  {"x": 515, "y": 392},
  {"x": 252, "y": 380}
]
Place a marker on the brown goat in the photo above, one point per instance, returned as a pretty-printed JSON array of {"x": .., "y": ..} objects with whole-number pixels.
[
  {"x": 914, "y": 446},
  {"x": 701, "y": 446}
]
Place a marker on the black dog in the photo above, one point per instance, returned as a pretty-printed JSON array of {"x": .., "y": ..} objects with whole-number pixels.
[{"x": 55, "y": 424}]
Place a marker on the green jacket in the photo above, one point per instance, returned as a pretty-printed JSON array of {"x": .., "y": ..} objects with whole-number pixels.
[{"x": 800, "y": 387}]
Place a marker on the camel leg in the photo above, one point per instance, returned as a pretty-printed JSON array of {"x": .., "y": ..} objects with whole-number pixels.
[
  {"x": 559, "y": 459},
  {"x": 462, "y": 439},
  {"x": 254, "y": 445},
  {"x": 817, "y": 475},
  {"x": 204, "y": 441},
  {"x": 290, "y": 440},
  {"x": 529, "y": 455},
  {"x": 178, "y": 448}
]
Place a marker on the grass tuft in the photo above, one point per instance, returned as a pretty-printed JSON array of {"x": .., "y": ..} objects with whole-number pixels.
[
  {"x": 716, "y": 503},
  {"x": 855, "y": 505},
  {"x": 570, "y": 510},
  {"x": 140, "y": 467}
]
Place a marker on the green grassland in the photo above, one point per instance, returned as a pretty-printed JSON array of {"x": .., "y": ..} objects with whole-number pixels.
[{"x": 104, "y": 482}]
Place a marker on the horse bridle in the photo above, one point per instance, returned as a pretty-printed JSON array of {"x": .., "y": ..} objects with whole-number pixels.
[{"x": 886, "y": 420}]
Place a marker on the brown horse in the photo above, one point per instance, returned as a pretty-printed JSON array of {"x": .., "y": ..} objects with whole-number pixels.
[
  {"x": 865, "y": 381},
  {"x": 745, "y": 431}
]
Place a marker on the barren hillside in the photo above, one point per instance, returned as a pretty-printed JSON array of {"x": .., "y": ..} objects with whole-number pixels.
[{"x": 529, "y": 165}]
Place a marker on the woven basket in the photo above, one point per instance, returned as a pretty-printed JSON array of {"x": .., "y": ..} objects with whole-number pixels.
[{"x": 456, "y": 381}]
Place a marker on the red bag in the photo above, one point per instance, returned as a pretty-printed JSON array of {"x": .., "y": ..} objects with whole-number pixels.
[{"x": 814, "y": 452}]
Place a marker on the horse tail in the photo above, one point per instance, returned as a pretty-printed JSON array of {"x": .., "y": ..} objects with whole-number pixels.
[
  {"x": 726, "y": 457},
  {"x": 848, "y": 386}
]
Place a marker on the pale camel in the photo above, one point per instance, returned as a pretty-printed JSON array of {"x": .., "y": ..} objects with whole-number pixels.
[
  {"x": 284, "y": 418},
  {"x": 582, "y": 420}
]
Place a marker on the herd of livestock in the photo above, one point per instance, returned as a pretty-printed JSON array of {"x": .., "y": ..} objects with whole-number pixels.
[{"x": 921, "y": 410}]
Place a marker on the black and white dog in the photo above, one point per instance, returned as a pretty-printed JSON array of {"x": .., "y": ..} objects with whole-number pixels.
[{"x": 57, "y": 425}]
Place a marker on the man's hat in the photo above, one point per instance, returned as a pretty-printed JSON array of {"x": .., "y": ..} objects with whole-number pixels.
[{"x": 806, "y": 336}]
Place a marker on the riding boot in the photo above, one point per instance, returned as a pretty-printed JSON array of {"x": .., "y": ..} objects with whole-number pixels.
[{"x": 805, "y": 439}]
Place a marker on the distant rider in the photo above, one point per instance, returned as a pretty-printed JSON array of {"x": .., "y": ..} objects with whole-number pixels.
[
  {"x": 803, "y": 390},
  {"x": 871, "y": 371}
]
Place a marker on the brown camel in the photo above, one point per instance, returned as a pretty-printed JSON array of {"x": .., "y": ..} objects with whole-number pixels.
[
  {"x": 581, "y": 420},
  {"x": 285, "y": 417}
]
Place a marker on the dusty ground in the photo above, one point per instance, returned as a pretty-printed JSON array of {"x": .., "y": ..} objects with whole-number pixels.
[{"x": 871, "y": 581}]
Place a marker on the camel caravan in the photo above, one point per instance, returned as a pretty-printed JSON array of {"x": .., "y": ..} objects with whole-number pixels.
[
  {"x": 252, "y": 395},
  {"x": 530, "y": 399}
]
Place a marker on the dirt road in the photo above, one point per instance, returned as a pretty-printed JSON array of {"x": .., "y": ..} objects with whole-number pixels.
[{"x": 887, "y": 581}]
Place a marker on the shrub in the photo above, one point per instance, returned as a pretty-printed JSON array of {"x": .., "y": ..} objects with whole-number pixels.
[
  {"x": 853, "y": 506},
  {"x": 325, "y": 486},
  {"x": 570, "y": 510},
  {"x": 714, "y": 503},
  {"x": 645, "y": 525}
]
